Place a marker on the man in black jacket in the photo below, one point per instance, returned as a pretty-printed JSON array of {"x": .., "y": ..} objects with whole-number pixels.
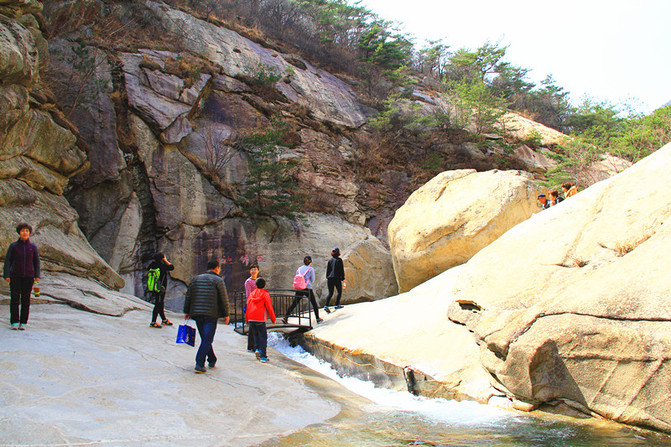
[{"x": 206, "y": 301}]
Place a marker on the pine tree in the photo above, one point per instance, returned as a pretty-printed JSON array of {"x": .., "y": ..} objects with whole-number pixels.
[{"x": 269, "y": 184}]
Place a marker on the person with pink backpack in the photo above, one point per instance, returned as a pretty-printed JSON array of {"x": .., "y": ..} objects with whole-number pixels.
[{"x": 305, "y": 277}]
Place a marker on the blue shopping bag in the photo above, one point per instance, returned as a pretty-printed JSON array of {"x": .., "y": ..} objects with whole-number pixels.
[{"x": 186, "y": 334}]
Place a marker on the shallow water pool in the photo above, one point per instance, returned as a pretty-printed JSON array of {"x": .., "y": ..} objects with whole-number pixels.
[{"x": 392, "y": 418}]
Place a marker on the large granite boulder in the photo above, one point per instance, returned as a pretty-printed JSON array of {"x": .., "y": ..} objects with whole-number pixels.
[
  {"x": 452, "y": 217},
  {"x": 581, "y": 312},
  {"x": 405, "y": 342},
  {"x": 537, "y": 161},
  {"x": 524, "y": 128}
]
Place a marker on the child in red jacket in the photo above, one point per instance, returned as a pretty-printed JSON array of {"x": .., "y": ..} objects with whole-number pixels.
[{"x": 259, "y": 309}]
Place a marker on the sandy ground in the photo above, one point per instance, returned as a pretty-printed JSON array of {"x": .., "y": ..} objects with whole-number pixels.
[{"x": 77, "y": 378}]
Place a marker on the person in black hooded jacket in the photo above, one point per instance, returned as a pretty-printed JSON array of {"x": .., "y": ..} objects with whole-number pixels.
[
  {"x": 335, "y": 275},
  {"x": 160, "y": 262}
]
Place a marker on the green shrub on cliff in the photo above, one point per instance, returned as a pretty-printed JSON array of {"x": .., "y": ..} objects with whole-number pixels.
[
  {"x": 631, "y": 137},
  {"x": 263, "y": 74},
  {"x": 643, "y": 135},
  {"x": 599, "y": 128}
]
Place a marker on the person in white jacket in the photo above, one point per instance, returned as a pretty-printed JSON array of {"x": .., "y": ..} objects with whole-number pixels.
[{"x": 308, "y": 273}]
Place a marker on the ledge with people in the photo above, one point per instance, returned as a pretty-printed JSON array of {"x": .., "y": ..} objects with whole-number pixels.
[{"x": 552, "y": 198}]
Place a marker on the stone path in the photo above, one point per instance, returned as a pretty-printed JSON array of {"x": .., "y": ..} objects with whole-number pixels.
[{"x": 77, "y": 378}]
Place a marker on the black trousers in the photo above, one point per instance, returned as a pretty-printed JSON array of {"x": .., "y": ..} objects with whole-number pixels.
[
  {"x": 301, "y": 294},
  {"x": 159, "y": 305},
  {"x": 250, "y": 339},
  {"x": 19, "y": 292},
  {"x": 250, "y": 334},
  {"x": 258, "y": 328},
  {"x": 337, "y": 284}
]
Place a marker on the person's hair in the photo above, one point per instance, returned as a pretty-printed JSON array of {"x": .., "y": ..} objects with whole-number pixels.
[
  {"x": 254, "y": 266},
  {"x": 554, "y": 193},
  {"x": 213, "y": 264},
  {"x": 566, "y": 185},
  {"x": 335, "y": 252},
  {"x": 540, "y": 196},
  {"x": 158, "y": 256},
  {"x": 23, "y": 225},
  {"x": 307, "y": 260},
  {"x": 260, "y": 283}
]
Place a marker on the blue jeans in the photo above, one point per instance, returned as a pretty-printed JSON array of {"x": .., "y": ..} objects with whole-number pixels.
[
  {"x": 258, "y": 328},
  {"x": 207, "y": 326}
]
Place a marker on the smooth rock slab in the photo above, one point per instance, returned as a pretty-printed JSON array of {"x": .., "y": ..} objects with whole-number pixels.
[{"x": 75, "y": 377}]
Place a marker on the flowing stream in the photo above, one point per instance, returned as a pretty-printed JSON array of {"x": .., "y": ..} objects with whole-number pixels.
[{"x": 392, "y": 418}]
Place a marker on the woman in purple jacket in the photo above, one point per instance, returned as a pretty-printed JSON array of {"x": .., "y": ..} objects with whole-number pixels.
[
  {"x": 250, "y": 286},
  {"x": 22, "y": 269}
]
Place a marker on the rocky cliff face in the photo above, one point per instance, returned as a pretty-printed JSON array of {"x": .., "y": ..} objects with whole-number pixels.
[
  {"x": 157, "y": 124},
  {"x": 38, "y": 154}
]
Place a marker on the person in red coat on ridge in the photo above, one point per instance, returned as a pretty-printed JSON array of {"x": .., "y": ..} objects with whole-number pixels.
[{"x": 259, "y": 309}]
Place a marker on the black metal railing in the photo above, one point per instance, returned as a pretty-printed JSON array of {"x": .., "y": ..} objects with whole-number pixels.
[{"x": 300, "y": 316}]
